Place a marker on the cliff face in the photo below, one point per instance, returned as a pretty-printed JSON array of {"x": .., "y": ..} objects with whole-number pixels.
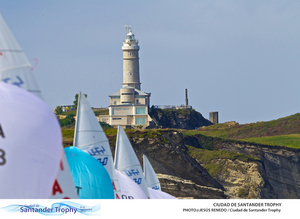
[
  {"x": 279, "y": 168},
  {"x": 275, "y": 175}
]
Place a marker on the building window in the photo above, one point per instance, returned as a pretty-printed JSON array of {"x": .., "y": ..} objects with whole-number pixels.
[
  {"x": 115, "y": 102},
  {"x": 113, "y": 111},
  {"x": 116, "y": 118},
  {"x": 140, "y": 121},
  {"x": 140, "y": 111}
]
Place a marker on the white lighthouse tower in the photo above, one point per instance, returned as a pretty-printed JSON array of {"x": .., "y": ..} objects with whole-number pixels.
[
  {"x": 131, "y": 73},
  {"x": 129, "y": 105}
]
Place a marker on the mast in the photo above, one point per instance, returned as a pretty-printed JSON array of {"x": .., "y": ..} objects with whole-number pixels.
[{"x": 77, "y": 119}]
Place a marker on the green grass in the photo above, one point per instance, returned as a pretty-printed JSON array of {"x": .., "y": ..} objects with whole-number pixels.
[
  {"x": 111, "y": 133},
  {"x": 205, "y": 156},
  {"x": 283, "y": 126},
  {"x": 68, "y": 135},
  {"x": 208, "y": 158},
  {"x": 222, "y": 130},
  {"x": 281, "y": 132},
  {"x": 292, "y": 140}
]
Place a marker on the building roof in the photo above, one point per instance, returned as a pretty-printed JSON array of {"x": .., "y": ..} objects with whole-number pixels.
[{"x": 136, "y": 92}]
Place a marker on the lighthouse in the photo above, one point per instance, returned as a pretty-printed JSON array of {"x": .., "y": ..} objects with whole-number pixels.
[
  {"x": 129, "y": 106},
  {"x": 131, "y": 73}
]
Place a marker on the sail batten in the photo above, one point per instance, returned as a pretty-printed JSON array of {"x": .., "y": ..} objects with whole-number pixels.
[{"x": 16, "y": 67}]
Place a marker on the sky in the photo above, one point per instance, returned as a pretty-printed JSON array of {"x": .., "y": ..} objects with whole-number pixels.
[{"x": 240, "y": 58}]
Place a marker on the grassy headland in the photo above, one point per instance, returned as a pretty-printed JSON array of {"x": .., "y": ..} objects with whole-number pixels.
[{"x": 281, "y": 132}]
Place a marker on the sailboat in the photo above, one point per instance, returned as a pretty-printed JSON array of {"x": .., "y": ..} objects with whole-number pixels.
[
  {"x": 30, "y": 147},
  {"x": 16, "y": 69},
  {"x": 63, "y": 187},
  {"x": 127, "y": 162},
  {"x": 91, "y": 179},
  {"x": 14, "y": 65},
  {"x": 130, "y": 189},
  {"x": 153, "y": 183},
  {"x": 90, "y": 138},
  {"x": 150, "y": 175}
]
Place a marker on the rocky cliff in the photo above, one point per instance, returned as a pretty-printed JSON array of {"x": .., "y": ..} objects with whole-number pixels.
[
  {"x": 275, "y": 173},
  {"x": 279, "y": 169}
]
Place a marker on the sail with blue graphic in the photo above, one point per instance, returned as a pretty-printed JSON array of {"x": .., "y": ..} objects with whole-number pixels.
[
  {"x": 90, "y": 178},
  {"x": 130, "y": 189},
  {"x": 150, "y": 175},
  {"x": 90, "y": 138},
  {"x": 127, "y": 162},
  {"x": 14, "y": 65},
  {"x": 153, "y": 183}
]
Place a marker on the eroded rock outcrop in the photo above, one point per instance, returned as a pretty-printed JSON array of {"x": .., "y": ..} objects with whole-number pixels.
[
  {"x": 187, "y": 189},
  {"x": 280, "y": 168},
  {"x": 275, "y": 175},
  {"x": 178, "y": 118}
]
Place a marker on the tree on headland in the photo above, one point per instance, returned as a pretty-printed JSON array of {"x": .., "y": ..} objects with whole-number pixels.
[
  {"x": 58, "y": 110},
  {"x": 75, "y": 102}
]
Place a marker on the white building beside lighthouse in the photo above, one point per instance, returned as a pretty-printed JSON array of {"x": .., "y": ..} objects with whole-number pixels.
[{"x": 129, "y": 105}]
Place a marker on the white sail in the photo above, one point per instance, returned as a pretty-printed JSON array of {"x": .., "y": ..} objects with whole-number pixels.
[
  {"x": 156, "y": 194},
  {"x": 64, "y": 187},
  {"x": 150, "y": 175},
  {"x": 14, "y": 65},
  {"x": 30, "y": 145},
  {"x": 90, "y": 137},
  {"x": 127, "y": 162},
  {"x": 129, "y": 189},
  {"x": 15, "y": 69}
]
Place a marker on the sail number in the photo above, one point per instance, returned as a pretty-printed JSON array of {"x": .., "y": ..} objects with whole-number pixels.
[
  {"x": 132, "y": 172},
  {"x": 96, "y": 151},
  {"x": 138, "y": 180},
  {"x": 2, "y": 152},
  {"x": 2, "y": 157},
  {"x": 127, "y": 197},
  {"x": 103, "y": 161},
  {"x": 18, "y": 83}
]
